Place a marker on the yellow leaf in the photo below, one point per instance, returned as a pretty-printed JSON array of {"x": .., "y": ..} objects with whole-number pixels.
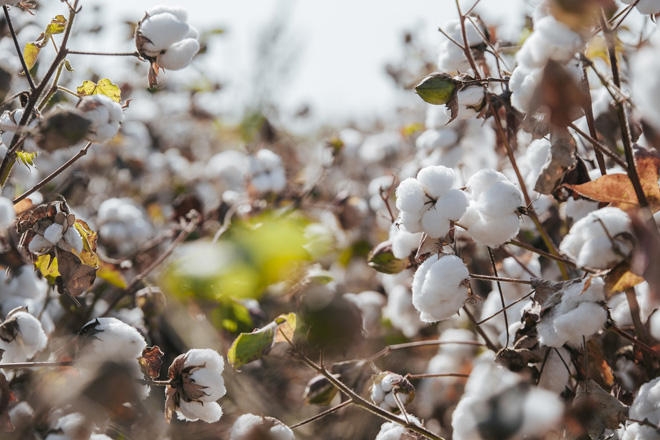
[
  {"x": 30, "y": 54},
  {"x": 48, "y": 267},
  {"x": 112, "y": 275},
  {"x": 88, "y": 255},
  {"x": 103, "y": 87},
  {"x": 56, "y": 25}
]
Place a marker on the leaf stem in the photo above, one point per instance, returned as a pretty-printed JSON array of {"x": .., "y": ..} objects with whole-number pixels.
[{"x": 105, "y": 54}]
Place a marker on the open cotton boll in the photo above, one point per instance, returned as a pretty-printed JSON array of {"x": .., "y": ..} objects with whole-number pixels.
[
  {"x": 104, "y": 114},
  {"x": 645, "y": 406},
  {"x": 499, "y": 200},
  {"x": 438, "y": 287},
  {"x": 400, "y": 311},
  {"x": 410, "y": 196},
  {"x": 109, "y": 339},
  {"x": 489, "y": 231},
  {"x": 179, "y": 54},
  {"x": 252, "y": 426},
  {"x": 436, "y": 139},
  {"x": 436, "y": 180},
  {"x": 580, "y": 313},
  {"x": 395, "y": 431},
  {"x": 267, "y": 172},
  {"x": 21, "y": 336},
  {"x": 600, "y": 240},
  {"x": 162, "y": 27},
  {"x": 452, "y": 58},
  {"x": 523, "y": 84}
]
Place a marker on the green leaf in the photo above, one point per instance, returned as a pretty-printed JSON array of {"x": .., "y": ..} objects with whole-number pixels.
[
  {"x": 248, "y": 347},
  {"x": 437, "y": 88},
  {"x": 56, "y": 25},
  {"x": 67, "y": 66},
  {"x": 382, "y": 259},
  {"x": 26, "y": 157},
  {"x": 103, "y": 87},
  {"x": 30, "y": 54}
]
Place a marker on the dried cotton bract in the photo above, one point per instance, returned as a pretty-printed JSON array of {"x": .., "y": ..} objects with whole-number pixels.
[
  {"x": 164, "y": 36},
  {"x": 439, "y": 287},
  {"x": 196, "y": 383}
]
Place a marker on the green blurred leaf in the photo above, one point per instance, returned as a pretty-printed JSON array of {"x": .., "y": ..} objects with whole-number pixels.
[
  {"x": 30, "y": 55},
  {"x": 382, "y": 259},
  {"x": 27, "y": 158},
  {"x": 232, "y": 316},
  {"x": 437, "y": 88},
  {"x": 248, "y": 347}
]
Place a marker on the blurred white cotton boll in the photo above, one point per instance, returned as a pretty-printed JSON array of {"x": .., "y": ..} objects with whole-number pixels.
[
  {"x": 104, "y": 114},
  {"x": 439, "y": 289},
  {"x": 600, "y": 240},
  {"x": 123, "y": 225},
  {"x": 395, "y": 431},
  {"x": 646, "y": 406},
  {"x": 452, "y": 59},
  {"x": 433, "y": 138},
  {"x": 645, "y": 82},
  {"x": 401, "y": 312},
  {"x": 267, "y": 172},
  {"x": 252, "y": 426},
  {"x": 7, "y": 213}
]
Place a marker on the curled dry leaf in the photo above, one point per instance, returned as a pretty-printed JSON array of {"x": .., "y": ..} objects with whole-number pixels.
[
  {"x": 151, "y": 361},
  {"x": 562, "y": 160}
]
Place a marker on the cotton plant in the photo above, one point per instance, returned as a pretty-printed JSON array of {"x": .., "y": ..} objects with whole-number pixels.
[
  {"x": 440, "y": 287},
  {"x": 123, "y": 225},
  {"x": 165, "y": 38},
  {"x": 495, "y": 205},
  {"x": 600, "y": 240},
  {"x": 498, "y": 400},
  {"x": 645, "y": 408},
  {"x": 574, "y": 312},
  {"x": 251, "y": 426},
  {"x": 429, "y": 202},
  {"x": 195, "y": 385}
]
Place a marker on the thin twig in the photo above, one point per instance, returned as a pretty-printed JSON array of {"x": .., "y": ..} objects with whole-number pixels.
[
  {"x": 105, "y": 54},
  {"x": 54, "y": 174},
  {"x": 416, "y": 344},
  {"x": 542, "y": 253},
  {"x": 321, "y": 414},
  {"x": 522, "y": 298},
  {"x": 479, "y": 330},
  {"x": 19, "y": 51},
  {"x": 498, "y": 279},
  {"x": 20, "y": 365},
  {"x": 599, "y": 146},
  {"x": 499, "y": 290},
  {"x": 434, "y": 375}
]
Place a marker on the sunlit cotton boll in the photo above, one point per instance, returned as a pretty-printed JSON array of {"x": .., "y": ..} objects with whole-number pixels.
[
  {"x": 251, "y": 426},
  {"x": 196, "y": 383},
  {"x": 551, "y": 40},
  {"x": 600, "y": 240},
  {"x": 439, "y": 288},
  {"x": 104, "y": 114},
  {"x": 492, "y": 216},
  {"x": 21, "y": 336},
  {"x": 123, "y": 225},
  {"x": 580, "y": 313},
  {"x": 164, "y": 35},
  {"x": 395, "y": 431}
]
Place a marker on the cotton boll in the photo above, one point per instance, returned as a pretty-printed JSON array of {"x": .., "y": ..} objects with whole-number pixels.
[
  {"x": 453, "y": 204},
  {"x": 401, "y": 312},
  {"x": 646, "y": 405},
  {"x": 645, "y": 83},
  {"x": 53, "y": 233},
  {"x": 229, "y": 167},
  {"x": 161, "y": 28},
  {"x": 523, "y": 84},
  {"x": 432, "y": 139},
  {"x": 542, "y": 411},
  {"x": 209, "y": 412},
  {"x": 452, "y": 58},
  {"x": 434, "y": 223},
  {"x": 7, "y": 213},
  {"x": 395, "y": 431},
  {"x": 501, "y": 199},
  {"x": 490, "y": 231},
  {"x": 437, "y": 116},
  {"x": 251, "y": 426},
  {"x": 436, "y": 180},
  {"x": 410, "y": 196},
  {"x": 73, "y": 239},
  {"x": 562, "y": 43},
  {"x": 654, "y": 325},
  {"x": 438, "y": 287},
  {"x": 600, "y": 240},
  {"x": 179, "y": 54},
  {"x": 267, "y": 172},
  {"x": 104, "y": 114},
  {"x": 22, "y": 336},
  {"x": 112, "y": 339}
]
